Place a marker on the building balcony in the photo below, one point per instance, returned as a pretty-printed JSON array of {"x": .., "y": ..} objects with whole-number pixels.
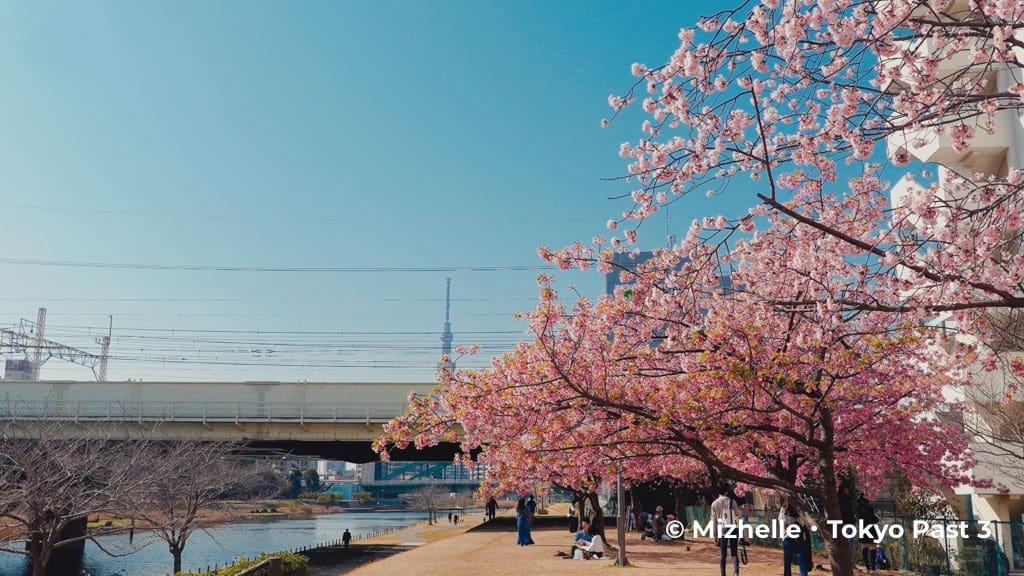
[
  {"x": 986, "y": 153},
  {"x": 951, "y": 66}
]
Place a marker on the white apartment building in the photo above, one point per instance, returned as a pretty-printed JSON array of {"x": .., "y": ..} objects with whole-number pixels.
[{"x": 991, "y": 153}]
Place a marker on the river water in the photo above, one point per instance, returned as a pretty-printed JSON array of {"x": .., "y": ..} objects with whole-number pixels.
[{"x": 221, "y": 544}]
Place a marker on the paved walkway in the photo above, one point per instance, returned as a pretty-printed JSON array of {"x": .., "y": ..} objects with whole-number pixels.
[
  {"x": 481, "y": 552},
  {"x": 491, "y": 550}
]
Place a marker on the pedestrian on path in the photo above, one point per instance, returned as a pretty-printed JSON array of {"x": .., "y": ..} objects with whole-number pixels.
[
  {"x": 492, "y": 508},
  {"x": 867, "y": 515},
  {"x": 796, "y": 548},
  {"x": 523, "y": 524},
  {"x": 723, "y": 514},
  {"x": 346, "y": 538}
]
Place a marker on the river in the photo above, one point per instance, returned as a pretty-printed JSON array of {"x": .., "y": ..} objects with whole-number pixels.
[{"x": 221, "y": 544}]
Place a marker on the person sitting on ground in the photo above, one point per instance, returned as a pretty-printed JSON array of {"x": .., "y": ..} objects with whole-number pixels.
[
  {"x": 643, "y": 522},
  {"x": 582, "y": 538},
  {"x": 649, "y": 525},
  {"x": 659, "y": 523},
  {"x": 595, "y": 549},
  {"x": 670, "y": 519}
]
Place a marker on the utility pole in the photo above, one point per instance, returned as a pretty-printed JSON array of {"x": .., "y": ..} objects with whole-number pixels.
[
  {"x": 30, "y": 339},
  {"x": 37, "y": 354},
  {"x": 104, "y": 342},
  {"x": 620, "y": 523}
]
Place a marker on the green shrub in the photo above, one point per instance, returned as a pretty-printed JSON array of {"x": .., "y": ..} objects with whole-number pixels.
[
  {"x": 291, "y": 565},
  {"x": 326, "y": 498}
]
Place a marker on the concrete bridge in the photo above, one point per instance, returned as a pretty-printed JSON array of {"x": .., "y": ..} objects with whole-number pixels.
[{"x": 335, "y": 421}]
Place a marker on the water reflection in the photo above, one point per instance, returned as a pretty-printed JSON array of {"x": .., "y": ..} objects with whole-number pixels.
[{"x": 217, "y": 546}]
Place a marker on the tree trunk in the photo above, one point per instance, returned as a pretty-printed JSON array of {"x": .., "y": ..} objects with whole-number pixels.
[
  {"x": 838, "y": 548},
  {"x": 679, "y": 495},
  {"x": 40, "y": 558},
  {"x": 578, "y": 502},
  {"x": 176, "y": 554},
  {"x": 598, "y": 523},
  {"x": 839, "y": 554}
]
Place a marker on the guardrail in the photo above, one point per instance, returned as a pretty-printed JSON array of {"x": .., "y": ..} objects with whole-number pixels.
[
  {"x": 202, "y": 412},
  {"x": 268, "y": 567},
  {"x": 263, "y": 567}
]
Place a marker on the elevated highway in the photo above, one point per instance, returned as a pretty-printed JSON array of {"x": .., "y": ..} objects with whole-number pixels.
[{"x": 336, "y": 421}]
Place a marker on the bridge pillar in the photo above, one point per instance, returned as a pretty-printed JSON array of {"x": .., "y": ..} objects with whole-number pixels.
[{"x": 66, "y": 559}]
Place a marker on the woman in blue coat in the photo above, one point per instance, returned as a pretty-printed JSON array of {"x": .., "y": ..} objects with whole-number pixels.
[{"x": 523, "y": 523}]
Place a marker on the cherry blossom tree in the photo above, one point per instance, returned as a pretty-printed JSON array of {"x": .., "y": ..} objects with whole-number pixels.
[
  {"x": 682, "y": 371},
  {"x": 785, "y": 91},
  {"x": 787, "y": 343}
]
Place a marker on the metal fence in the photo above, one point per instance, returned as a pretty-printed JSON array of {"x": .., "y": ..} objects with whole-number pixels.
[
  {"x": 953, "y": 547},
  {"x": 307, "y": 549}
]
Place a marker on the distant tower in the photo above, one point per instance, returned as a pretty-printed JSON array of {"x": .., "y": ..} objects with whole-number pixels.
[{"x": 446, "y": 335}]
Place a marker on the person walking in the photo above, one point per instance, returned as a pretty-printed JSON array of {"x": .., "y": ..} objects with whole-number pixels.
[
  {"x": 796, "y": 547},
  {"x": 523, "y": 524},
  {"x": 531, "y": 506},
  {"x": 492, "y": 508},
  {"x": 724, "y": 514},
  {"x": 866, "y": 514},
  {"x": 346, "y": 538},
  {"x": 846, "y": 513}
]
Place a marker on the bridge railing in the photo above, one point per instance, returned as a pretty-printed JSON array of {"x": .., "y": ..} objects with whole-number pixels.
[{"x": 202, "y": 411}]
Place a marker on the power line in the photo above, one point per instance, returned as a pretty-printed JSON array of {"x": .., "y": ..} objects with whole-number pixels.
[
  {"x": 285, "y": 269},
  {"x": 304, "y": 218},
  {"x": 290, "y": 332},
  {"x": 246, "y": 299}
]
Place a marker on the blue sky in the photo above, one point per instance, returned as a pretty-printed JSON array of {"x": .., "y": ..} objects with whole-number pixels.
[{"x": 306, "y": 134}]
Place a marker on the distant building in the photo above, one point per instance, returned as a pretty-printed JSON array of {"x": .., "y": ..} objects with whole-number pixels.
[
  {"x": 390, "y": 479},
  {"x": 18, "y": 370},
  {"x": 627, "y": 260},
  {"x": 327, "y": 468},
  {"x": 613, "y": 280}
]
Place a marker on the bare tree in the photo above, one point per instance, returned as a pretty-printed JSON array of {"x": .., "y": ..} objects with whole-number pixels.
[
  {"x": 188, "y": 480},
  {"x": 995, "y": 422},
  {"x": 428, "y": 499},
  {"x": 51, "y": 481}
]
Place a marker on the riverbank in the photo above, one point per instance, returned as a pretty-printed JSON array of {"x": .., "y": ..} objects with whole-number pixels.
[
  {"x": 219, "y": 545},
  {"x": 334, "y": 561},
  {"x": 227, "y": 512}
]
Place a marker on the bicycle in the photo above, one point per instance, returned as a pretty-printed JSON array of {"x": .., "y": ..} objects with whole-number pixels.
[{"x": 743, "y": 551}]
